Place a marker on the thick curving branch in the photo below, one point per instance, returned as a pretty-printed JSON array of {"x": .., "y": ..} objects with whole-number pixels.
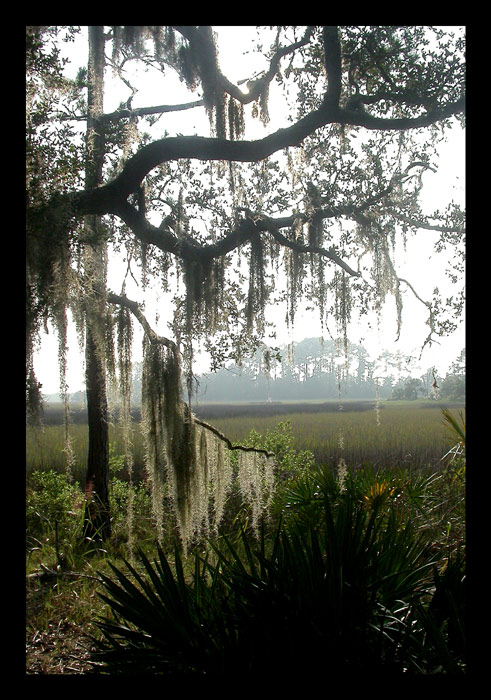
[
  {"x": 354, "y": 117},
  {"x": 248, "y": 226},
  {"x": 104, "y": 199},
  {"x": 135, "y": 309},
  {"x": 196, "y": 35}
]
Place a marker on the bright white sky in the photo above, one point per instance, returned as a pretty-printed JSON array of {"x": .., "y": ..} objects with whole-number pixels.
[{"x": 419, "y": 263}]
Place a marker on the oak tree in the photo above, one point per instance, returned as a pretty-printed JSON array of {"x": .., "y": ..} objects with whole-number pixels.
[{"x": 318, "y": 201}]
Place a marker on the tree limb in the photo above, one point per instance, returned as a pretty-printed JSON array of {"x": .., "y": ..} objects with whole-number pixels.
[
  {"x": 134, "y": 307},
  {"x": 230, "y": 445},
  {"x": 420, "y": 223},
  {"x": 145, "y": 111},
  {"x": 255, "y": 87},
  {"x": 431, "y": 321},
  {"x": 128, "y": 113},
  {"x": 332, "y": 62},
  {"x": 301, "y": 248},
  {"x": 247, "y": 227},
  {"x": 353, "y": 117},
  {"x": 207, "y": 148},
  {"x": 262, "y": 222}
]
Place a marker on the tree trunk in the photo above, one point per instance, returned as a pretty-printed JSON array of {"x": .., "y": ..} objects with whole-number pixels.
[{"x": 97, "y": 514}]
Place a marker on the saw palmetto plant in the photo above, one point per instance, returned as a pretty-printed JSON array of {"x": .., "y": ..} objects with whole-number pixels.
[{"x": 350, "y": 592}]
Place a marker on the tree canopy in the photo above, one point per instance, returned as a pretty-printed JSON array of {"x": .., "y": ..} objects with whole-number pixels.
[{"x": 220, "y": 219}]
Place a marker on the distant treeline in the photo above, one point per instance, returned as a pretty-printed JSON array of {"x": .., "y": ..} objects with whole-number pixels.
[{"x": 316, "y": 371}]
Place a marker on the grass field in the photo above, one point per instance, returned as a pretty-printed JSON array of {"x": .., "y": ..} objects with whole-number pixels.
[
  {"x": 421, "y": 511},
  {"x": 394, "y": 434},
  {"x": 398, "y": 433}
]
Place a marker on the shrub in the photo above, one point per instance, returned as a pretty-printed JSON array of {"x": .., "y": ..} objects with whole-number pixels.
[
  {"x": 281, "y": 441},
  {"x": 53, "y": 506},
  {"x": 130, "y": 502},
  {"x": 346, "y": 590}
]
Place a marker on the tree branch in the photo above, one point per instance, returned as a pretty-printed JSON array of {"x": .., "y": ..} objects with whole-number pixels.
[
  {"x": 160, "y": 237},
  {"x": 265, "y": 223},
  {"x": 353, "y": 117},
  {"x": 431, "y": 321},
  {"x": 255, "y": 87},
  {"x": 301, "y": 248},
  {"x": 207, "y": 148},
  {"x": 230, "y": 445},
  {"x": 134, "y": 307},
  {"x": 127, "y": 113},
  {"x": 145, "y": 111},
  {"x": 247, "y": 227},
  {"x": 420, "y": 223},
  {"x": 332, "y": 62}
]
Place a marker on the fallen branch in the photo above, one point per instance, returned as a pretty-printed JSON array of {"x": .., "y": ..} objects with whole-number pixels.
[{"x": 47, "y": 573}]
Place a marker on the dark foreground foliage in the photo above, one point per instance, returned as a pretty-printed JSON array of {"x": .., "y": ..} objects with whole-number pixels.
[{"x": 345, "y": 589}]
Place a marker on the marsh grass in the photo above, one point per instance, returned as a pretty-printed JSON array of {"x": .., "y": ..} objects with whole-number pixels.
[
  {"x": 45, "y": 449},
  {"x": 410, "y": 433},
  {"x": 407, "y": 434}
]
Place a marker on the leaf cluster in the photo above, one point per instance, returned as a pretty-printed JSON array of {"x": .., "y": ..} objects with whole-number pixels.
[{"x": 402, "y": 67}]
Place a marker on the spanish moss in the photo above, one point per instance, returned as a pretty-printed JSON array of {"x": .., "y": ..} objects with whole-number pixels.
[
  {"x": 161, "y": 419},
  {"x": 236, "y": 125},
  {"x": 256, "y": 297},
  {"x": 125, "y": 340},
  {"x": 343, "y": 304},
  {"x": 187, "y": 460},
  {"x": 256, "y": 480}
]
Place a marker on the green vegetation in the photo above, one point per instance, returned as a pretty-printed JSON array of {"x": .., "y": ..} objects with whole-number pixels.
[
  {"x": 347, "y": 589},
  {"x": 363, "y": 566},
  {"x": 409, "y": 433}
]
